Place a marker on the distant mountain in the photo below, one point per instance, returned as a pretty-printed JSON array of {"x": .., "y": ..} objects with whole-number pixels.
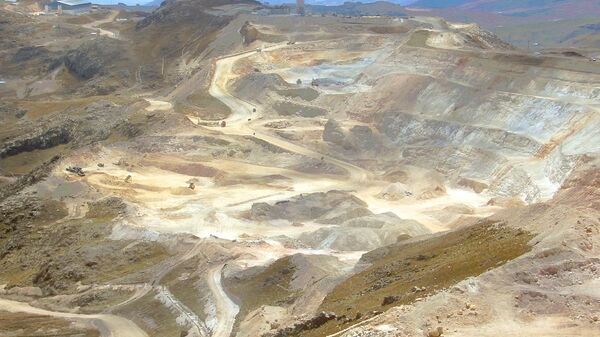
[
  {"x": 358, "y": 8},
  {"x": 498, "y": 12},
  {"x": 543, "y": 23},
  {"x": 337, "y": 2},
  {"x": 439, "y": 3},
  {"x": 155, "y": 3},
  {"x": 515, "y": 7}
]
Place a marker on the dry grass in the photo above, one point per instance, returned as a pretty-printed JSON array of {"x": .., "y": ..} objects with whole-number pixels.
[
  {"x": 84, "y": 19},
  {"x": 58, "y": 255},
  {"x": 390, "y": 29},
  {"x": 152, "y": 316},
  {"x": 189, "y": 290},
  {"x": 434, "y": 264},
  {"x": 270, "y": 286},
  {"x": 418, "y": 39},
  {"x": 43, "y": 108},
  {"x": 307, "y": 94},
  {"x": 24, "y": 162},
  {"x": 205, "y": 106},
  {"x": 95, "y": 302},
  {"x": 22, "y": 324}
]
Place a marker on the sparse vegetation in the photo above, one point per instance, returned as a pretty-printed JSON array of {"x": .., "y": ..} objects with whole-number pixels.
[
  {"x": 204, "y": 106},
  {"x": 56, "y": 257},
  {"x": 428, "y": 266},
  {"x": 186, "y": 284},
  {"x": 307, "y": 94},
  {"x": 217, "y": 166},
  {"x": 265, "y": 286},
  {"x": 21, "y": 324},
  {"x": 150, "y": 314}
]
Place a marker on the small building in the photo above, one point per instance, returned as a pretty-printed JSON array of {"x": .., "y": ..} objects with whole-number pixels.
[{"x": 71, "y": 7}]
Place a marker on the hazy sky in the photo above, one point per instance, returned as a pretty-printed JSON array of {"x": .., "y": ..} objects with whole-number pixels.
[{"x": 142, "y": 2}]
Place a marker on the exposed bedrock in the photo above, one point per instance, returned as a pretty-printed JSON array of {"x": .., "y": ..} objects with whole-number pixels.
[
  {"x": 352, "y": 226},
  {"x": 42, "y": 139},
  {"x": 404, "y": 129},
  {"x": 92, "y": 123},
  {"x": 95, "y": 57},
  {"x": 478, "y": 124},
  {"x": 364, "y": 233},
  {"x": 323, "y": 206}
]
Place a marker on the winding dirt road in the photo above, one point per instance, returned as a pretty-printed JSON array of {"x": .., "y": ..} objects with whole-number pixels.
[
  {"x": 176, "y": 304},
  {"x": 227, "y": 310},
  {"x": 109, "y": 325},
  {"x": 239, "y": 122},
  {"x": 103, "y": 32},
  {"x": 114, "y": 326},
  {"x": 245, "y": 115}
]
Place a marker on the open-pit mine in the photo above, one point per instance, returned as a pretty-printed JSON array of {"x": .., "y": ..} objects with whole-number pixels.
[{"x": 205, "y": 169}]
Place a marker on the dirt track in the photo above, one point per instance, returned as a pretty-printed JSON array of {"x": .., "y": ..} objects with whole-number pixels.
[
  {"x": 227, "y": 310},
  {"x": 239, "y": 123},
  {"x": 109, "y": 325},
  {"x": 103, "y": 32},
  {"x": 242, "y": 122}
]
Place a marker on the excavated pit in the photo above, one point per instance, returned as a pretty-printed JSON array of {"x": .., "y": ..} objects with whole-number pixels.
[{"x": 298, "y": 176}]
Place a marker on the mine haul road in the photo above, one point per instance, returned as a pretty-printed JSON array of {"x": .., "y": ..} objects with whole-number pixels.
[
  {"x": 239, "y": 123},
  {"x": 108, "y": 325},
  {"x": 227, "y": 310}
]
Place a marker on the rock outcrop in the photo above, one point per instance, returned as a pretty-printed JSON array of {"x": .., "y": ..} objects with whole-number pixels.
[{"x": 305, "y": 325}]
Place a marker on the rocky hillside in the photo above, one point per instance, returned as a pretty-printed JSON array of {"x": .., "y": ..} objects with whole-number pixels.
[{"x": 209, "y": 170}]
